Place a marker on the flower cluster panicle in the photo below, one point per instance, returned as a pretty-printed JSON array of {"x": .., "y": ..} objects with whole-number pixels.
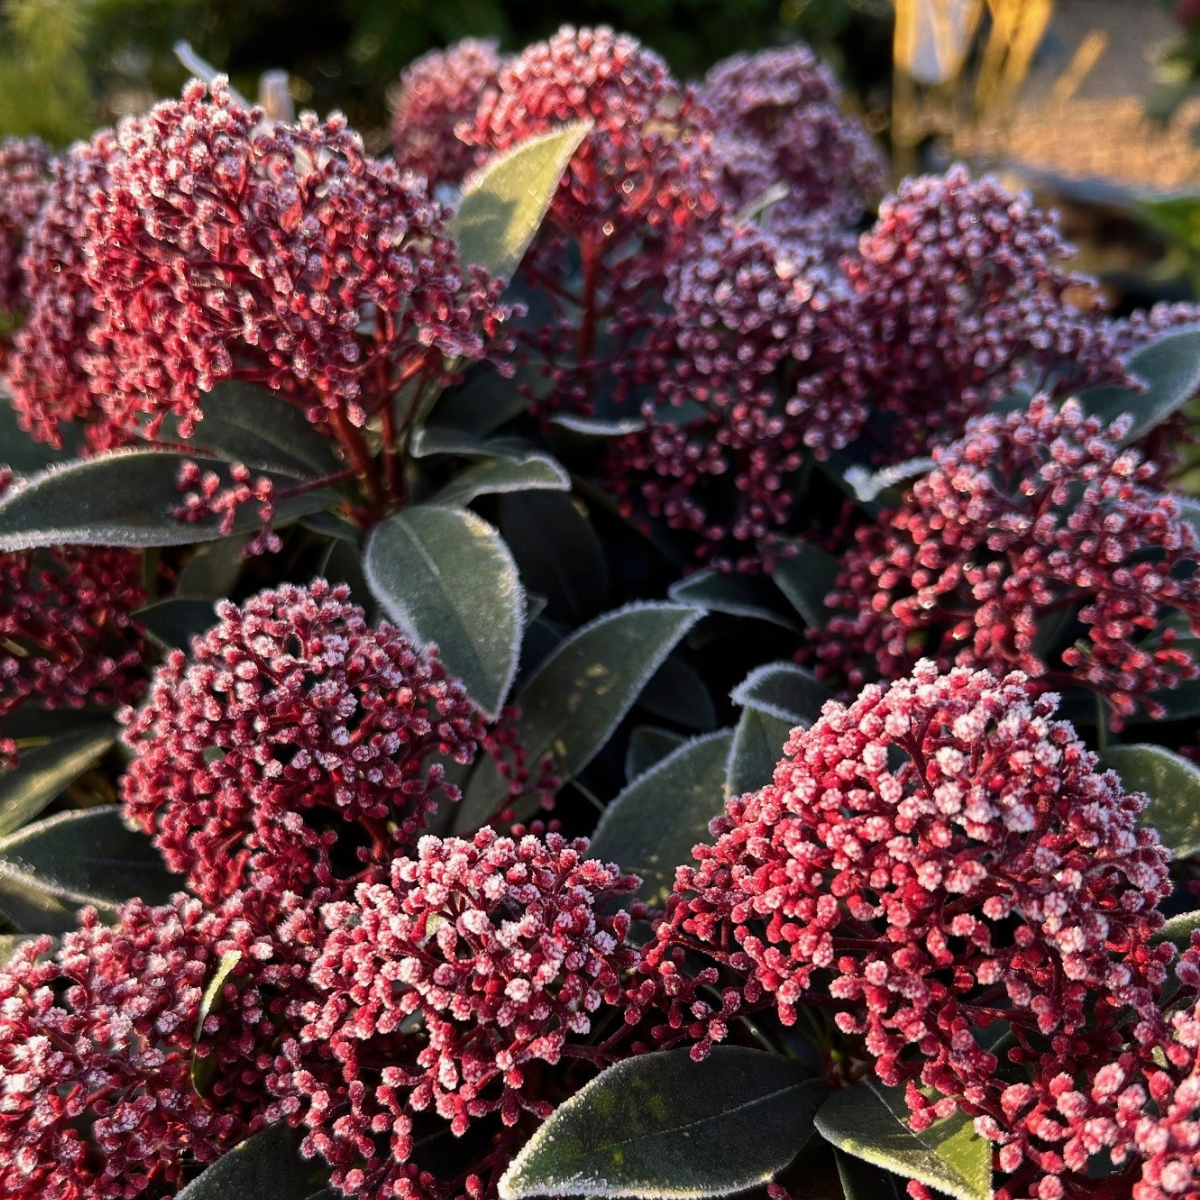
[
  {"x": 114, "y": 1083},
  {"x": 24, "y": 180},
  {"x": 439, "y": 92},
  {"x": 68, "y": 633},
  {"x": 1034, "y": 523},
  {"x": 939, "y": 856},
  {"x": 48, "y": 375},
  {"x": 779, "y": 120},
  {"x": 230, "y": 246},
  {"x": 205, "y": 497},
  {"x": 443, "y": 990},
  {"x": 963, "y": 296},
  {"x": 641, "y": 179},
  {"x": 296, "y": 745},
  {"x": 758, "y": 363}
]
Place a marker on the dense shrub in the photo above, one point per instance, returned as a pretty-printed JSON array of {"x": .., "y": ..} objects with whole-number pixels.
[{"x": 367, "y": 524}]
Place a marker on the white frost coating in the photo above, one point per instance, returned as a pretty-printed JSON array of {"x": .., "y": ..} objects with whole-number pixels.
[
  {"x": 743, "y": 694},
  {"x": 867, "y": 485},
  {"x": 400, "y": 611}
]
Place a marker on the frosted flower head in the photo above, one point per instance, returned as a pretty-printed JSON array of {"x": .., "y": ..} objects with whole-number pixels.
[
  {"x": 24, "y": 177},
  {"x": 1030, "y": 518},
  {"x": 938, "y": 856},
  {"x": 438, "y": 92},
  {"x": 964, "y": 294},
  {"x": 442, "y": 990},
  {"x": 230, "y": 246},
  {"x": 296, "y": 746}
]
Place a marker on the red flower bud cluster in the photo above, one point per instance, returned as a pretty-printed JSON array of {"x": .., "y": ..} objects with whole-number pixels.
[
  {"x": 446, "y": 990},
  {"x": 963, "y": 296},
  {"x": 759, "y": 364},
  {"x": 440, "y": 91},
  {"x": 296, "y": 746},
  {"x": 24, "y": 176},
  {"x": 939, "y": 856},
  {"x": 113, "y": 1080},
  {"x": 642, "y": 177},
  {"x": 49, "y": 373},
  {"x": 1038, "y": 543},
  {"x": 68, "y": 636},
  {"x": 779, "y": 121}
]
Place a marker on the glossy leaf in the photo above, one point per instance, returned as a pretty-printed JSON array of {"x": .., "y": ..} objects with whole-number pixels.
[
  {"x": 806, "y": 579},
  {"x": 558, "y": 552},
  {"x": 54, "y": 867},
  {"x": 247, "y": 424},
  {"x": 535, "y": 472},
  {"x": 124, "y": 499},
  {"x": 863, "y": 1181},
  {"x": 45, "y": 771},
  {"x": 1179, "y": 929},
  {"x": 173, "y": 623},
  {"x": 647, "y": 745},
  {"x": 267, "y": 1166},
  {"x": 737, "y": 595},
  {"x": 579, "y": 694},
  {"x": 503, "y": 204},
  {"x": 1173, "y": 785},
  {"x": 446, "y": 576},
  {"x": 1170, "y": 369},
  {"x": 651, "y": 827},
  {"x": 783, "y": 690},
  {"x": 869, "y": 1122},
  {"x": 757, "y": 747},
  {"x": 661, "y": 1125}
]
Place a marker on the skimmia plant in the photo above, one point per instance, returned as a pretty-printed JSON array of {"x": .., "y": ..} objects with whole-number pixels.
[{"x": 600, "y": 654}]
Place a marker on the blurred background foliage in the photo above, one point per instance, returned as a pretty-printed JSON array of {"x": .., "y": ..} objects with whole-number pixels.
[{"x": 69, "y": 65}]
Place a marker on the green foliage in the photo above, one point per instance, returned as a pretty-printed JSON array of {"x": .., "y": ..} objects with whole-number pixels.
[
  {"x": 868, "y": 1122},
  {"x": 1173, "y": 785},
  {"x": 267, "y": 1166},
  {"x": 651, "y": 827},
  {"x": 43, "y": 772},
  {"x": 446, "y": 577},
  {"x": 52, "y": 868},
  {"x": 664, "y": 1126}
]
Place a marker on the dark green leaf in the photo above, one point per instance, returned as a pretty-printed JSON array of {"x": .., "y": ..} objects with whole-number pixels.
[
  {"x": 173, "y": 623},
  {"x": 557, "y": 551},
  {"x": 535, "y": 472},
  {"x": 1173, "y": 785},
  {"x": 806, "y": 579},
  {"x": 863, "y": 1181},
  {"x": 870, "y": 1122},
  {"x": 124, "y": 499},
  {"x": 737, "y": 595},
  {"x": 647, "y": 745},
  {"x": 202, "y": 1069},
  {"x": 212, "y": 571},
  {"x": 1179, "y": 929},
  {"x": 43, "y": 772},
  {"x": 19, "y": 452},
  {"x": 651, "y": 827},
  {"x": 783, "y": 690},
  {"x": 580, "y": 693},
  {"x": 480, "y": 406},
  {"x": 677, "y": 693},
  {"x": 662, "y": 1126},
  {"x": 267, "y": 1166},
  {"x": 54, "y": 867},
  {"x": 1170, "y": 368},
  {"x": 342, "y": 563},
  {"x": 757, "y": 746},
  {"x": 243, "y": 423},
  {"x": 505, "y": 202},
  {"x": 432, "y": 440},
  {"x": 445, "y": 576}
]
